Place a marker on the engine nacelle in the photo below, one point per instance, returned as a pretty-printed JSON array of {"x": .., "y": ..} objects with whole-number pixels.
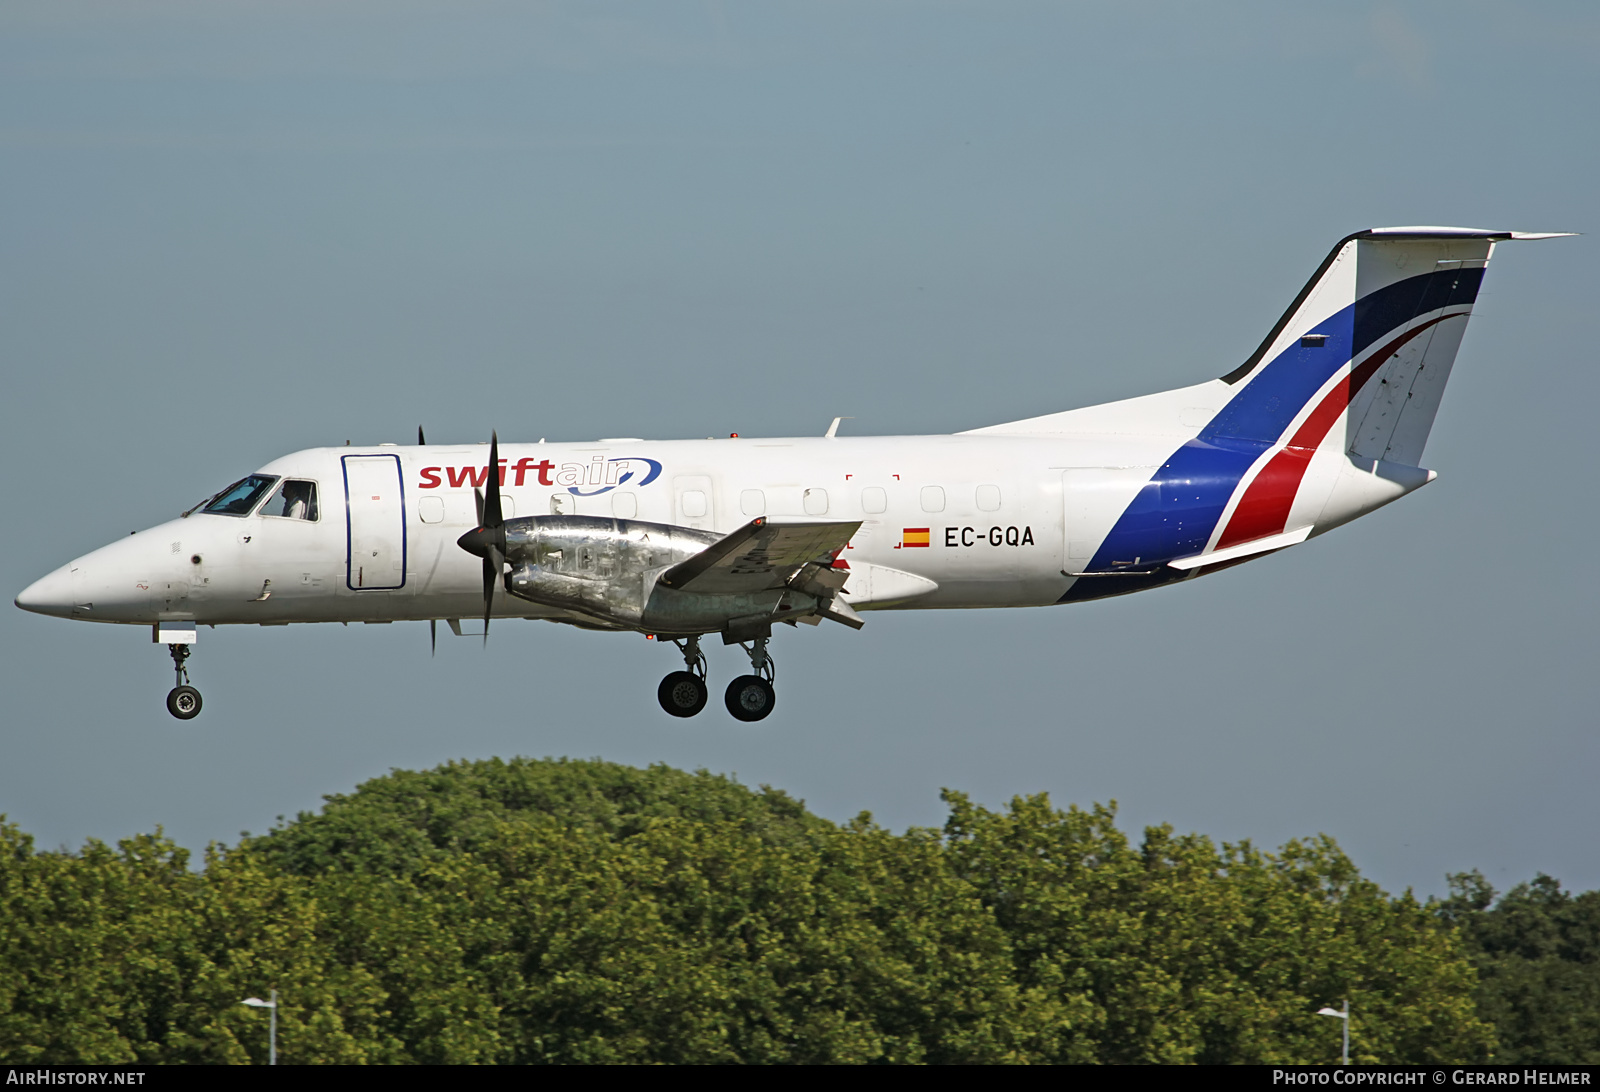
[
  {"x": 593, "y": 565},
  {"x": 606, "y": 570}
]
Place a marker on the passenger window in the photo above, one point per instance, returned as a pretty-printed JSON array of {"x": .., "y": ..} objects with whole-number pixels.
[
  {"x": 816, "y": 502},
  {"x": 874, "y": 500},
  {"x": 988, "y": 498},
  {"x": 932, "y": 498},
  {"x": 694, "y": 503},
  {"x": 431, "y": 509},
  {"x": 240, "y": 497},
  {"x": 753, "y": 502},
  {"x": 624, "y": 505}
]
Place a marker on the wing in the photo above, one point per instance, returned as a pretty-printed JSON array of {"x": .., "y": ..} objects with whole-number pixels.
[{"x": 764, "y": 554}]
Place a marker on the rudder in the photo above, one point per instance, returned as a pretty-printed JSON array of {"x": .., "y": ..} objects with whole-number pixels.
[{"x": 1418, "y": 293}]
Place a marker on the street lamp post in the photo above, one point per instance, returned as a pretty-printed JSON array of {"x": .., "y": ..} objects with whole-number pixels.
[
  {"x": 272, "y": 1033},
  {"x": 1345, "y": 1016}
]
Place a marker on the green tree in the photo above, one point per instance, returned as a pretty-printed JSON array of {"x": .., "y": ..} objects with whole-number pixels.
[
  {"x": 94, "y": 948},
  {"x": 1538, "y": 957},
  {"x": 684, "y": 942},
  {"x": 1174, "y": 951},
  {"x": 397, "y": 823},
  {"x": 562, "y": 911}
]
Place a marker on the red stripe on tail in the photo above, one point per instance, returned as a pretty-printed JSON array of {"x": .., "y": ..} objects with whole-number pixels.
[{"x": 1264, "y": 508}]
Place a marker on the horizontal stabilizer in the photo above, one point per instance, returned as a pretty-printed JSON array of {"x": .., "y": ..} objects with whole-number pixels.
[{"x": 1243, "y": 549}]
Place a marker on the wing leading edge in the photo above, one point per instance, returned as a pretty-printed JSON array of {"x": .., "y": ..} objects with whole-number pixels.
[{"x": 765, "y": 554}]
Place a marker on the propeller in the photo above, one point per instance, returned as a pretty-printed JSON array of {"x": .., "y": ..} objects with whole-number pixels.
[{"x": 488, "y": 539}]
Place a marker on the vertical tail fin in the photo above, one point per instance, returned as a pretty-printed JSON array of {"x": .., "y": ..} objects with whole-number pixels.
[
  {"x": 1353, "y": 370},
  {"x": 1360, "y": 360},
  {"x": 1388, "y": 304},
  {"x": 1393, "y": 301}
]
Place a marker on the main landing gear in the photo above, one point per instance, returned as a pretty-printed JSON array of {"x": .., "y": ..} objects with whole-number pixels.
[
  {"x": 683, "y": 693},
  {"x": 749, "y": 697},
  {"x": 183, "y": 700}
]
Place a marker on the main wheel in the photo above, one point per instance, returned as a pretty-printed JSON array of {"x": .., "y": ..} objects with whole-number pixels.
[
  {"x": 183, "y": 702},
  {"x": 750, "y": 697},
  {"x": 682, "y": 693}
]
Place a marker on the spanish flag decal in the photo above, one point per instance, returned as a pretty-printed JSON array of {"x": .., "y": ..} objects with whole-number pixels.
[{"x": 914, "y": 536}]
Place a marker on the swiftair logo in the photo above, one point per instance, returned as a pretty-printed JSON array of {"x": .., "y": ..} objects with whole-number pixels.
[{"x": 598, "y": 475}]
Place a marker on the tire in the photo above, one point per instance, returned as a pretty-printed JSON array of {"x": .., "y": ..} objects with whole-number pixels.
[
  {"x": 750, "y": 698},
  {"x": 682, "y": 693},
  {"x": 183, "y": 702}
]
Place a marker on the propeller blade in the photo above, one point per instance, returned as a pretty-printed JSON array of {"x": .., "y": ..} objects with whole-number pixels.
[
  {"x": 488, "y": 539},
  {"x": 433, "y": 636},
  {"x": 420, "y": 441},
  {"x": 492, "y": 518},
  {"x": 494, "y": 563}
]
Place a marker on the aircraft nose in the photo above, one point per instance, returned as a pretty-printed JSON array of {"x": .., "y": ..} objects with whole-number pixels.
[{"x": 51, "y": 594}]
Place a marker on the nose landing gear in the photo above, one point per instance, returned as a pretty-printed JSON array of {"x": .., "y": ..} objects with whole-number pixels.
[
  {"x": 751, "y": 697},
  {"x": 183, "y": 700},
  {"x": 683, "y": 693}
]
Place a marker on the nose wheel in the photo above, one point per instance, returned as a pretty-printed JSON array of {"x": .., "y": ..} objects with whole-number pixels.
[
  {"x": 751, "y": 697},
  {"x": 683, "y": 693},
  {"x": 183, "y": 700}
]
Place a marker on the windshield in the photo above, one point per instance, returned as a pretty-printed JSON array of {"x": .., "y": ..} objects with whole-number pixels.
[{"x": 240, "y": 497}]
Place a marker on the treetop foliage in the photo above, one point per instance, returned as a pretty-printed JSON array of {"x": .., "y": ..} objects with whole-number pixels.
[
  {"x": 1537, "y": 954},
  {"x": 583, "y": 911},
  {"x": 392, "y": 825}
]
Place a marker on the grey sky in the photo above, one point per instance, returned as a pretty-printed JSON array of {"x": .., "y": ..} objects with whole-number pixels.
[{"x": 237, "y": 229}]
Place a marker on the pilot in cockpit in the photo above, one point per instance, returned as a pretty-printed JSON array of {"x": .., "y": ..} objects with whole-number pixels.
[{"x": 298, "y": 500}]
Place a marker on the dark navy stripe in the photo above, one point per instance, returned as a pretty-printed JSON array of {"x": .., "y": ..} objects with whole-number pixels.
[
  {"x": 1104, "y": 587},
  {"x": 1390, "y": 308}
]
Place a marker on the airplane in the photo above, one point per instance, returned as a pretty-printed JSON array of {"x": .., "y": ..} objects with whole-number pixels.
[{"x": 679, "y": 540}]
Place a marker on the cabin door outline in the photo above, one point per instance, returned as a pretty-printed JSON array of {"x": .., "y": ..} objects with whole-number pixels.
[{"x": 375, "y": 523}]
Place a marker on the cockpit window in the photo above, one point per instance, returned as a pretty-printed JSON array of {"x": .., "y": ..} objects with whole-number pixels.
[
  {"x": 241, "y": 496},
  {"x": 294, "y": 499}
]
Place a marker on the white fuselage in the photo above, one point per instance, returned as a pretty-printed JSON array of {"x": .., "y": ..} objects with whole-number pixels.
[{"x": 958, "y": 521}]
